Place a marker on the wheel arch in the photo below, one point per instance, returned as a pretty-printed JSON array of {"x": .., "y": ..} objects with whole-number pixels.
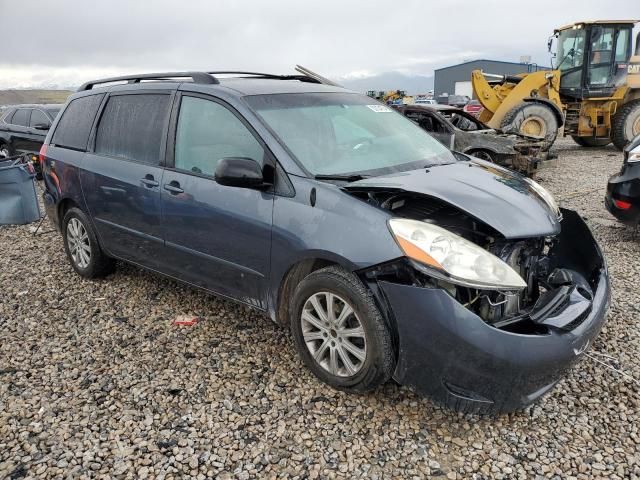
[
  {"x": 64, "y": 205},
  {"x": 475, "y": 148},
  {"x": 294, "y": 274},
  {"x": 631, "y": 95}
]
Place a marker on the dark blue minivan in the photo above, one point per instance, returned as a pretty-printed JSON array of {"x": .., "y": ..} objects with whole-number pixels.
[{"x": 386, "y": 254}]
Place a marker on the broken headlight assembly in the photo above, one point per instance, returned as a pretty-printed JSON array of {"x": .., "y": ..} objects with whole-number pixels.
[
  {"x": 448, "y": 256},
  {"x": 545, "y": 195}
]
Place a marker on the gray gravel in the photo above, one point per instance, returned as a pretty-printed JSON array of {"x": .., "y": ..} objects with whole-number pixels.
[{"x": 95, "y": 381}]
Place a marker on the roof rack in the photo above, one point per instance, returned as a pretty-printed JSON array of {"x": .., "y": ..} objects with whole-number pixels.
[
  {"x": 197, "y": 77},
  {"x": 301, "y": 78},
  {"x": 208, "y": 78}
]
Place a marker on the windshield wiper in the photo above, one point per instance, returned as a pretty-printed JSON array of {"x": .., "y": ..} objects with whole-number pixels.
[{"x": 346, "y": 178}]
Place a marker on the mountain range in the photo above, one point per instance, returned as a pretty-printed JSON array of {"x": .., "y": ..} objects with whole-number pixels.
[{"x": 412, "y": 84}]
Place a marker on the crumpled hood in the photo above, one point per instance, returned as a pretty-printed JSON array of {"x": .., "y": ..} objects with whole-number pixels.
[{"x": 492, "y": 194}]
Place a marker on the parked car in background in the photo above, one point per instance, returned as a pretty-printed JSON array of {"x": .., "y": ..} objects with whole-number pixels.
[
  {"x": 453, "y": 100},
  {"x": 386, "y": 254},
  {"x": 23, "y": 128},
  {"x": 464, "y": 133},
  {"x": 623, "y": 189},
  {"x": 425, "y": 101},
  {"x": 474, "y": 107}
]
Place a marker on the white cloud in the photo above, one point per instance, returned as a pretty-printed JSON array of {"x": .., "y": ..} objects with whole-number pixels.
[{"x": 70, "y": 41}]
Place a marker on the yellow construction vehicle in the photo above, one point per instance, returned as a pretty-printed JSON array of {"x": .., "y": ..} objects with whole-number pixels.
[
  {"x": 389, "y": 96},
  {"x": 594, "y": 91}
]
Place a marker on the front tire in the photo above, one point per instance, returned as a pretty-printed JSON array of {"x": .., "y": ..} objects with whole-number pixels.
[
  {"x": 626, "y": 124},
  {"x": 339, "y": 331},
  {"x": 534, "y": 119},
  {"x": 82, "y": 247},
  {"x": 591, "y": 142}
]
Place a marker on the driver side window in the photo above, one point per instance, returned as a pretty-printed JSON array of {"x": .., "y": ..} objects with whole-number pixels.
[{"x": 206, "y": 133}]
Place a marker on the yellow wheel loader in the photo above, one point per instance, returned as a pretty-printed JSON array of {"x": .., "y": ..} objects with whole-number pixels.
[{"x": 594, "y": 91}]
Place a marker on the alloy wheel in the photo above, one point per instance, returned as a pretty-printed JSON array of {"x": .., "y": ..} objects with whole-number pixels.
[
  {"x": 78, "y": 243},
  {"x": 333, "y": 334}
]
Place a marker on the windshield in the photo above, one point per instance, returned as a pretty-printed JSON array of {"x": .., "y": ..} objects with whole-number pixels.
[
  {"x": 570, "y": 48},
  {"x": 347, "y": 134}
]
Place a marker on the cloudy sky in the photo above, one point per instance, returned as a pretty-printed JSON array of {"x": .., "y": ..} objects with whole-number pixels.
[{"x": 65, "y": 42}]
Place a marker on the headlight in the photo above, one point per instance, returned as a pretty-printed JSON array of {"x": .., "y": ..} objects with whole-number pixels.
[
  {"x": 634, "y": 155},
  {"x": 546, "y": 196},
  {"x": 453, "y": 258}
]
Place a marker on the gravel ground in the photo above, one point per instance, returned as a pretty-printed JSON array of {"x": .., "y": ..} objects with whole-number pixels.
[{"x": 95, "y": 381}]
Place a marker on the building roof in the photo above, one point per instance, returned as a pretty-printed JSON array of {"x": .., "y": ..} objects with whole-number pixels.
[{"x": 492, "y": 61}]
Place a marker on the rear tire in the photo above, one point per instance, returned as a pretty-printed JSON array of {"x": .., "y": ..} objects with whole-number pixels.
[
  {"x": 534, "y": 119},
  {"x": 626, "y": 124},
  {"x": 326, "y": 344},
  {"x": 591, "y": 142},
  {"x": 82, "y": 247}
]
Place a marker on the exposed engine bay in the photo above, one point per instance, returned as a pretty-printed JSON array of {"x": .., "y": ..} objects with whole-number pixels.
[{"x": 552, "y": 287}]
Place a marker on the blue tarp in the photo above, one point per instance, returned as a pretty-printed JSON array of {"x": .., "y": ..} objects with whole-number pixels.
[{"x": 18, "y": 197}]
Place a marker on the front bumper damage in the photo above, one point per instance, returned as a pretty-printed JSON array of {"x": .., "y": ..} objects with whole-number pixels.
[{"x": 449, "y": 353}]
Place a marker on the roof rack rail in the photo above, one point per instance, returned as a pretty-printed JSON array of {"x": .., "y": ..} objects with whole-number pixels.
[
  {"x": 274, "y": 76},
  {"x": 197, "y": 77}
]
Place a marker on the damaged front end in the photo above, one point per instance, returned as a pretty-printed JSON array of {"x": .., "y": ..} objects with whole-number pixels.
[
  {"x": 491, "y": 350},
  {"x": 525, "y": 155}
]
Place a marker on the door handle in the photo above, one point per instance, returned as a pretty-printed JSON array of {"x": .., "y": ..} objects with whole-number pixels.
[
  {"x": 173, "y": 187},
  {"x": 149, "y": 181}
]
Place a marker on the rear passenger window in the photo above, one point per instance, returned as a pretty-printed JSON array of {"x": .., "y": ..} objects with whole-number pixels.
[
  {"x": 38, "y": 118},
  {"x": 131, "y": 127},
  {"x": 76, "y": 121},
  {"x": 21, "y": 117},
  {"x": 208, "y": 132}
]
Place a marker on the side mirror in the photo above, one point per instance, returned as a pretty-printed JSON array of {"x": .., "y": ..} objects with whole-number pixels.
[
  {"x": 239, "y": 172},
  {"x": 42, "y": 126}
]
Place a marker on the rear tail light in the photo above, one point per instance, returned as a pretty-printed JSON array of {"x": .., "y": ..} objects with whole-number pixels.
[
  {"x": 42, "y": 155},
  {"x": 621, "y": 204}
]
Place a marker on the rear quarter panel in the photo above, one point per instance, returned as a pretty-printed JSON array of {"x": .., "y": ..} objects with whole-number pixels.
[{"x": 61, "y": 175}]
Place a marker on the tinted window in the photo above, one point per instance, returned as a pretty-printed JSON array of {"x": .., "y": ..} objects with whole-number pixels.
[
  {"x": 131, "y": 127},
  {"x": 208, "y": 132},
  {"x": 74, "y": 126},
  {"x": 21, "y": 117},
  {"x": 38, "y": 117}
]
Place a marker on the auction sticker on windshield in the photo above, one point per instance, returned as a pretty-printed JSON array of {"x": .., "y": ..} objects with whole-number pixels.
[{"x": 379, "y": 108}]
